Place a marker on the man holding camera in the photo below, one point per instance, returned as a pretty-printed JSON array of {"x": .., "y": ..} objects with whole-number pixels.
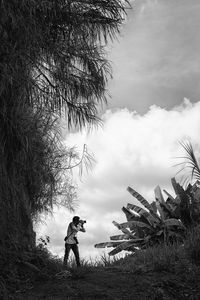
[{"x": 71, "y": 241}]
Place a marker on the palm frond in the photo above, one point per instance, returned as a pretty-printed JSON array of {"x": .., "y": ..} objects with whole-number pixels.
[{"x": 191, "y": 160}]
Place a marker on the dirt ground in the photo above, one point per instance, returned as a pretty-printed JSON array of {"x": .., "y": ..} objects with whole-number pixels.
[{"x": 113, "y": 283}]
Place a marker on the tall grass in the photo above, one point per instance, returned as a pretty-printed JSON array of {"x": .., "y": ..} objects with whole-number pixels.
[
  {"x": 178, "y": 258},
  {"x": 157, "y": 258},
  {"x": 192, "y": 245},
  {"x": 163, "y": 257}
]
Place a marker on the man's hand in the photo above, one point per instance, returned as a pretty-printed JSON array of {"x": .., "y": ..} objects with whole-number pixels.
[{"x": 80, "y": 227}]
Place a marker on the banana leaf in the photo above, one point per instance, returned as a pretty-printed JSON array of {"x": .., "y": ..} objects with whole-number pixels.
[
  {"x": 171, "y": 204},
  {"x": 173, "y": 222},
  {"x": 158, "y": 194},
  {"x": 169, "y": 195},
  {"x": 142, "y": 212},
  {"x": 162, "y": 216},
  {"x": 153, "y": 205},
  {"x": 134, "y": 223},
  {"x": 124, "y": 230},
  {"x": 131, "y": 216},
  {"x": 177, "y": 188},
  {"x": 167, "y": 211},
  {"x": 135, "y": 230},
  {"x": 137, "y": 209},
  {"x": 143, "y": 201},
  {"x": 120, "y": 237},
  {"x": 121, "y": 247},
  {"x": 108, "y": 244},
  {"x": 139, "y": 198}
]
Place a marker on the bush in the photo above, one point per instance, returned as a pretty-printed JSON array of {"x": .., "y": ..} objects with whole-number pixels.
[
  {"x": 46, "y": 262},
  {"x": 20, "y": 270}
]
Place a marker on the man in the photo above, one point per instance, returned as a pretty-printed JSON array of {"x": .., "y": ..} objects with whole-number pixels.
[{"x": 71, "y": 241}]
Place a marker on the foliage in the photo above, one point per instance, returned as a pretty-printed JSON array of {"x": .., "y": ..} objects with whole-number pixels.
[
  {"x": 53, "y": 64},
  {"x": 192, "y": 245},
  {"x": 192, "y": 203},
  {"x": 35, "y": 174},
  {"x": 190, "y": 162},
  {"x": 20, "y": 269},
  {"x": 167, "y": 261},
  {"x": 53, "y": 54},
  {"x": 156, "y": 258},
  {"x": 52, "y": 61},
  {"x": 47, "y": 263},
  {"x": 159, "y": 221}
]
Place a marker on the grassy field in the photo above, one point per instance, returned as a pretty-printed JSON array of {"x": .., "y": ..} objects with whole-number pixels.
[{"x": 162, "y": 272}]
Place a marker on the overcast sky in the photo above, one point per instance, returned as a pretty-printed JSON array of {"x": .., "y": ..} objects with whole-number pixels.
[
  {"x": 154, "y": 105},
  {"x": 156, "y": 60}
]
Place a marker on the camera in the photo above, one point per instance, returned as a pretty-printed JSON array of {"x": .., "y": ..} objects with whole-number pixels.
[{"x": 82, "y": 222}]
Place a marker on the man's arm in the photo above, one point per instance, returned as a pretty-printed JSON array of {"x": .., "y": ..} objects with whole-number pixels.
[
  {"x": 80, "y": 227},
  {"x": 74, "y": 228}
]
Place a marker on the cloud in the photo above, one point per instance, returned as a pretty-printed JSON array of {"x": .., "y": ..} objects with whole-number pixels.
[
  {"x": 157, "y": 59},
  {"x": 130, "y": 150}
]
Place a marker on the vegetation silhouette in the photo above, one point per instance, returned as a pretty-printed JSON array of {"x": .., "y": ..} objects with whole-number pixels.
[{"x": 53, "y": 64}]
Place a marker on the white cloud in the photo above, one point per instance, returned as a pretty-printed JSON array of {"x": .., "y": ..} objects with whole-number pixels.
[
  {"x": 157, "y": 59},
  {"x": 130, "y": 149}
]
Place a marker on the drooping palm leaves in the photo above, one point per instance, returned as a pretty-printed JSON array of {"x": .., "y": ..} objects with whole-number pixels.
[
  {"x": 52, "y": 63},
  {"x": 55, "y": 50}
]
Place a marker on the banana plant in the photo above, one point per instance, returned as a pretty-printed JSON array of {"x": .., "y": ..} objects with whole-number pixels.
[
  {"x": 162, "y": 220},
  {"x": 151, "y": 224}
]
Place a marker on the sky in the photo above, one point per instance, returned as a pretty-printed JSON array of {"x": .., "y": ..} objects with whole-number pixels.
[
  {"x": 154, "y": 105},
  {"x": 156, "y": 60}
]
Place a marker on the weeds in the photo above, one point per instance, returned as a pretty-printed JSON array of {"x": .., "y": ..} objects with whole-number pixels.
[
  {"x": 182, "y": 260},
  {"x": 45, "y": 261},
  {"x": 158, "y": 258}
]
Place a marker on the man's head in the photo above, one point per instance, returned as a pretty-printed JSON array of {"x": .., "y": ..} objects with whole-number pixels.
[{"x": 76, "y": 219}]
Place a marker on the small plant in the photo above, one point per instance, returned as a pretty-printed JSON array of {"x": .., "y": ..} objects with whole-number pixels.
[{"x": 44, "y": 241}]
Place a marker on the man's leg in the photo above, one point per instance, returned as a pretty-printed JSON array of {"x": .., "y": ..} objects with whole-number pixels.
[
  {"x": 76, "y": 253},
  {"x": 67, "y": 251}
]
